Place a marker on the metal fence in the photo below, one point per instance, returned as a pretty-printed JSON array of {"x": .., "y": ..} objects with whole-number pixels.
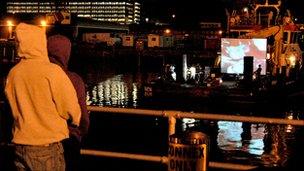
[
  {"x": 172, "y": 116},
  {"x": 8, "y": 51}
]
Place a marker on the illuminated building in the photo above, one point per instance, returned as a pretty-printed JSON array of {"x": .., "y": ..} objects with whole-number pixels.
[
  {"x": 211, "y": 33},
  {"x": 123, "y": 12}
]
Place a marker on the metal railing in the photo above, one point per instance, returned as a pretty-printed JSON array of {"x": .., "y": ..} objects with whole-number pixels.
[
  {"x": 172, "y": 116},
  {"x": 8, "y": 52}
]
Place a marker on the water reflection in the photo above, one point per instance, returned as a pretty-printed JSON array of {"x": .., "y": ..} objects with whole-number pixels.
[
  {"x": 243, "y": 140},
  {"x": 188, "y": 123},
  {"x": 118, "y": 90},
  {"x": 271, "y": 144},
  {"x": 279, "y": 145},
  {"x": 266, "y": 144}
]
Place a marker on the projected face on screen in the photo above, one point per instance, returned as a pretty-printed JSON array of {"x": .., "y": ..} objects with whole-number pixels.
[{"x": 234, "y": 50}]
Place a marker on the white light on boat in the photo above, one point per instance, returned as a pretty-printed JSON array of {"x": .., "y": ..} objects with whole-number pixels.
[
  {"x": 292, "y": 60},
  {"x": 268, "y": 56}
]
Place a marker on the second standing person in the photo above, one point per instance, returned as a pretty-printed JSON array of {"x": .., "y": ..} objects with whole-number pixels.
[{"x": 59, "y": 50}]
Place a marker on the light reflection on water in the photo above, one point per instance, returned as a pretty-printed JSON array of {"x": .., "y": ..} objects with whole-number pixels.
[
  {"x": 114, "y": 91},
  {"x": 241, "y": 136},
  {"x": 255, "y": 143},
  {"x": 262, "y": 144}
]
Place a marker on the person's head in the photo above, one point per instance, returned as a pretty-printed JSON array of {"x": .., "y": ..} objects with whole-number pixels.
[
  {"x": 62, "y": 30},
  {"x": 31, "y": 41},
  {"x": 59, "y": 49}
]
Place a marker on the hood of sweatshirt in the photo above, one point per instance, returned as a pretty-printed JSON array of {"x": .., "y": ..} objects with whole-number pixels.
[
  {"x": 59, "y": 50},
  {"x": 31, "y": 41}
]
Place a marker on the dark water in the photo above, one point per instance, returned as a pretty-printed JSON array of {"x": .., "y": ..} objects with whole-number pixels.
[{"x": 268, "y": 146}]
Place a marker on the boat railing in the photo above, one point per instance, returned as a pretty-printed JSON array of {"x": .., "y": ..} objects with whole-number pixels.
[{"x": 172, "y": 115}]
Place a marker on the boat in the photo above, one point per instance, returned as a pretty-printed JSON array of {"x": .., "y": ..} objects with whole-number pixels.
[{"x": 282, "y": 63}]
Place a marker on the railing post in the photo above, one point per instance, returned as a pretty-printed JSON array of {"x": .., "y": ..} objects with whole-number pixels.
[{"x": 172, "y": 122}]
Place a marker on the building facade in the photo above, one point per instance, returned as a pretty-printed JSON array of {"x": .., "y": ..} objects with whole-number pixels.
[
  {"x": 123, "y": 12},
  {"x": 211, "y": 34}
]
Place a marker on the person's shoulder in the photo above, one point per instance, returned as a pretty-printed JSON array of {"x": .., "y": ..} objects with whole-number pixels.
[
  {"x": 76, "y": 79},
  {"x": 75, "y": 76},
  {"x": 12, "y": 72},
  {"x": 16, "y": 69},
  {"x": 54, "y": 67},
  {"x": 54, "y": 70}
]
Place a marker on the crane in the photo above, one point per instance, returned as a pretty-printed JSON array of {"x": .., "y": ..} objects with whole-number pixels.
[
  {"x": 283, "y": 49},
  {"x": 280, "y": 31}
]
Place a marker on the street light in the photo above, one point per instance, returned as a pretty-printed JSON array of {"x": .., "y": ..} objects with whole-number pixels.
[
  {"x": 220, "y": 32},
  {"x": 10, "y": 25},
  {"x": 43, "y": 24},
  {"x": 245, "y": 9},
  {"x": 167, "y": 31}
]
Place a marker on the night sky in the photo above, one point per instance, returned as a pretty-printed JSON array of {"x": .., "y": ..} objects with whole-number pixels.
[{"x": 188, "y": 9}]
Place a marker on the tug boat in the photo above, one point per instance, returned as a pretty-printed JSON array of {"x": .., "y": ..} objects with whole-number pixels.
[{"x": 281, "y": 73}]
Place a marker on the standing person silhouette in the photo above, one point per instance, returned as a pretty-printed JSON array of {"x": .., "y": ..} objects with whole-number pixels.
[
  {"x": 258, "y": 72},
  {"x": 42, "y": 99},
  {"x": 258, "y": 76},
  {"x": 59, "y": 49}
]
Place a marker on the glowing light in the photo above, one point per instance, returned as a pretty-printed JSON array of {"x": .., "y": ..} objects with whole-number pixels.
[
  {"x": 10, "y": 27},
  {"x": 292, "y": 60},
  {"x": 43, "y": 23},
  {"x": 289, "y": 128},
  {"x": 167, "y": 31},
  {"x": 220, "y": 81},
  {"x": 245, "y": 9},
  {"x": 188, "y": 123},
  {"x": 192, "y": 71},
  {"x": 268, "y": 56},
  {"x": 9, "y": 23}
]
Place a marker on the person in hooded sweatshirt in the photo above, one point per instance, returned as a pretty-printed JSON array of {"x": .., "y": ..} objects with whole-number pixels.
[
  {"x": 42, "y": 98},
  {"x": 59, "y": 49}
]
